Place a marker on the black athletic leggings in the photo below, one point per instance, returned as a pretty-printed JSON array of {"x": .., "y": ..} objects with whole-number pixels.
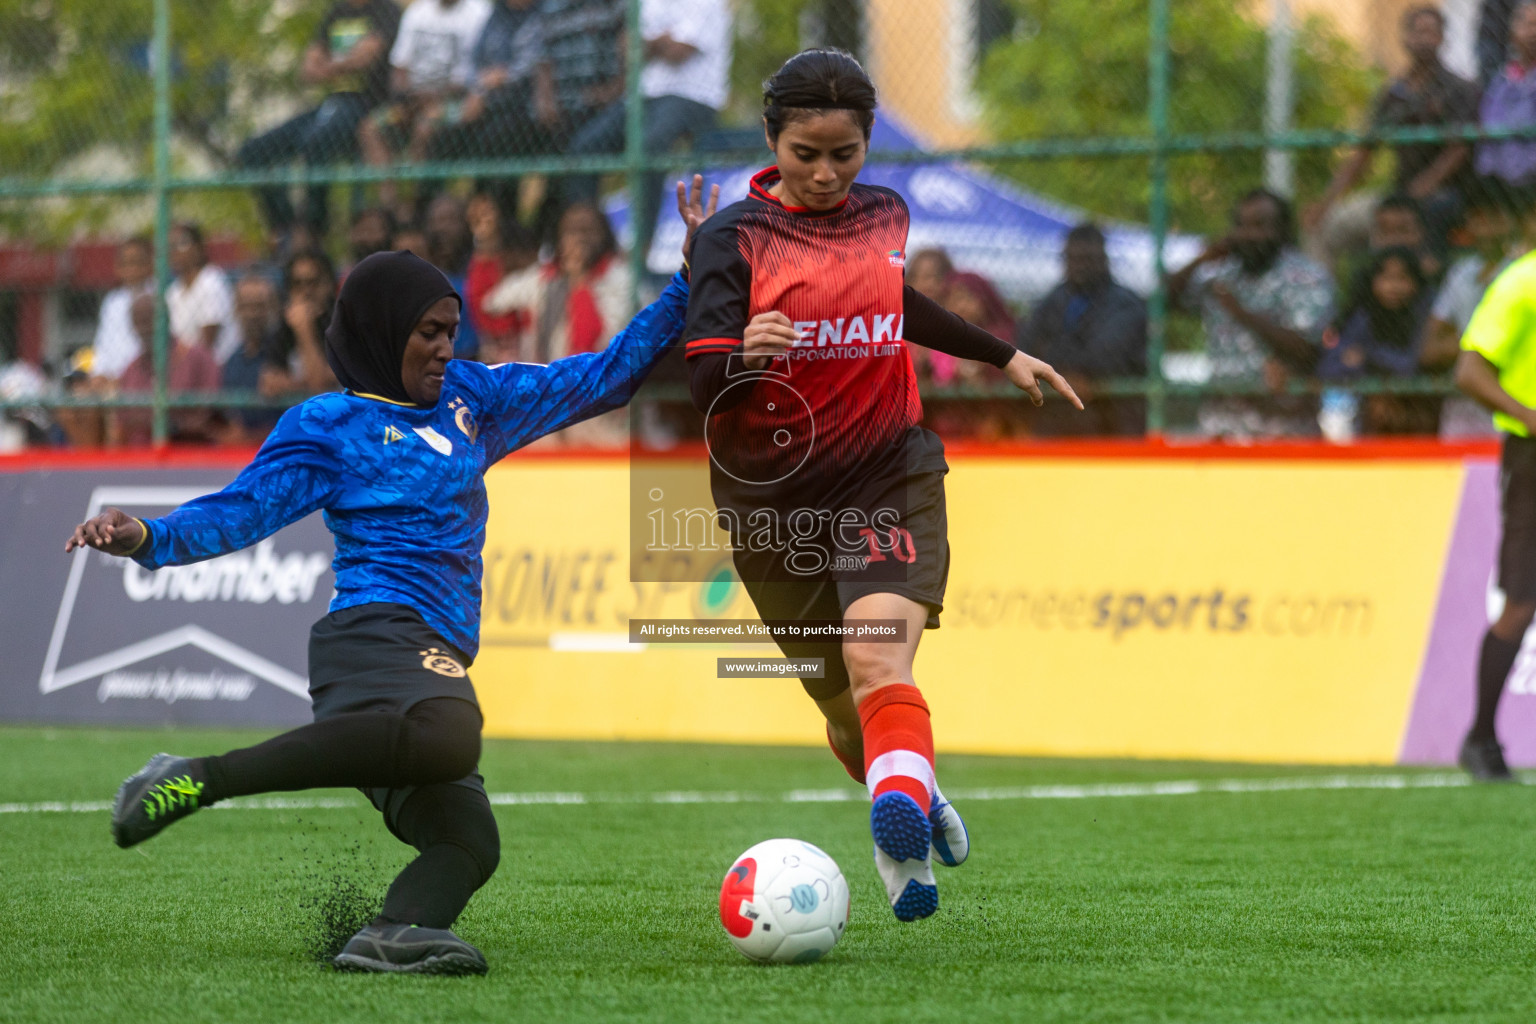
[{"x": 434, "y": 744}]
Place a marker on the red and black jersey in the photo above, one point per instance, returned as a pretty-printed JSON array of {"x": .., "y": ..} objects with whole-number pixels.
[{"x": 844, "y": 398}]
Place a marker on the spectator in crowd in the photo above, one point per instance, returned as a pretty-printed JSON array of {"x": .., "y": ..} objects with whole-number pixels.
[
  {"x": 199, "y": 300},
  {"x": 26, "y": 426},
  {"x": 372, "y": 230},
  {"x": 502, "y": 247},
  {"x": 190, "y": 368},
  {"x": 409, "y": 237},
  {"x": 973, "y": 298},
  {"x": 431, "y": 70},
  {"x": 1089, "y": 328},
  {"x": 449, "y": 247},
  {"x": 116, "y": 345},
  {"x": 685, "y": 84},
  {"x": 256, "y": 320},
  {"x": 1492, "y": 45},
  {"x": 1434, "y": 173},
  {"x": 498, "y": 118},
  {"x": 929, "y": 271},
  {"x": 1491, "y": 224},
  {"x": 583, "y": 67},
  {"x": 1398, "y": 222},
  {"x": 576, "y": 302},
  {"x": 1510, "y": 102},
  {"x": 1263, "y": 306},
  {"x": 295, "y": 358},
  {"x": 1381, "y": 334},
  {"x": 348, "y": 59},
  {"x": 79, "y": 426}
]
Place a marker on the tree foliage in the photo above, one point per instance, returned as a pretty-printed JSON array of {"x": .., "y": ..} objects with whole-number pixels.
[
  {"x": 76, "y": 80},
  {"x": 1076, "y": 69}
]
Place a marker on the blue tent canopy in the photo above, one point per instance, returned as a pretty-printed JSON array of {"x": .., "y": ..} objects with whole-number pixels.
[{"x": 986, "y": 224}]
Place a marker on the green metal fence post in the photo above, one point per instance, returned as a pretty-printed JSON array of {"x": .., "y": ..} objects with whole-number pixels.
[
  {"x": 634, "y": 142},
  {"x": 1157, "y": 114},
  {"x": 162, "y": 193}
]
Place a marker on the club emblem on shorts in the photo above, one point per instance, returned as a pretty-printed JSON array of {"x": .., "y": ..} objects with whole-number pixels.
[
  {"x": 439, "y": 443},
  {"x": 464, "y": 419},
  {"x": 435, "y": 660}
]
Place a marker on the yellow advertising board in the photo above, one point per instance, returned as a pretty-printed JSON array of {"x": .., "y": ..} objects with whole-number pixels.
[{"x": 1226, "y": 609}]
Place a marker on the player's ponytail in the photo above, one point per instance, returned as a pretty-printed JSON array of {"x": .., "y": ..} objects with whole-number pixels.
[{"x": 813, "y": 81}]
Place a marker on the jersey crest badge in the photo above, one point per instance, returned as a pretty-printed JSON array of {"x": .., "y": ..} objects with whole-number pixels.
[
  {"x": 439, "y": 443},
  {"x": 897, "y": 258},
  {"x": 392, "y": 433},
  {"x": 464, "y": 419},
  {"x": 434, "y": 660}
]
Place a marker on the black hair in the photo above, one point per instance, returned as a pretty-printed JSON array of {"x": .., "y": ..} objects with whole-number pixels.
[
  {"x": 1283, "y": 211},
  {"x": 608, "y": 243},
  {"x": 1086, "y": 232},
  {"x": 1417, "y": 11},
  {"x": 143, "y": 241},
  {"x": 815, "y": 81},
  {"x": 382, "y": 212},
  {"x": 1398, "y": 327},
  {"x": 316, "y": 256},
  {"x": 193, "y": 231},
  {"x": 1401, "y": 201},
  {"x": 946, "y": 265}
]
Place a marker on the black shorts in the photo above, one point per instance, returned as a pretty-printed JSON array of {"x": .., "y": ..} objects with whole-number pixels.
[
  {"x": 1517, "y": 550},
  {"x": 905, "y": 553},
  {"x": 383, "y": 657}
]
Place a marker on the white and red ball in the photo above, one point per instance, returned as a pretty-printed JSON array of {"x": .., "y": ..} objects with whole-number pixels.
[{"x": 784, "y": 901}]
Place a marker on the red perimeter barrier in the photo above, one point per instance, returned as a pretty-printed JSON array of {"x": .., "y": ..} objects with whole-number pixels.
[{"x": 1390, "y": 449}]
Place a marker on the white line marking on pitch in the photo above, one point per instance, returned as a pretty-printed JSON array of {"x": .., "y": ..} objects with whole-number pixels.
[{"x": 1103, "y": 790}]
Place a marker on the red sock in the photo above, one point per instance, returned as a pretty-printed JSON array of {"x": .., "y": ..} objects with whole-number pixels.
[
  {"x": 898, "y": 743},
  {"x": 855, "y": 769}
]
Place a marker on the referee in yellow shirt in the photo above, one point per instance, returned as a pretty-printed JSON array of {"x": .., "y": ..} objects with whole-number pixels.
[{"x": 1497, "y": 367}]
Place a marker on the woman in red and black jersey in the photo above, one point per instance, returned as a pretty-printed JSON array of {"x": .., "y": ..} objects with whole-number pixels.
[{"x": 796, "y": 342}]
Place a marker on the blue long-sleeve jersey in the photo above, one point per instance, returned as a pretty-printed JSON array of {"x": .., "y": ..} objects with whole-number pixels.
[{"x": 403, "y": 487}]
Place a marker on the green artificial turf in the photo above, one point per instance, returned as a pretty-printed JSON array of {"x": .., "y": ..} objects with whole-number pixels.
[{"x": 1307, "y": 905}]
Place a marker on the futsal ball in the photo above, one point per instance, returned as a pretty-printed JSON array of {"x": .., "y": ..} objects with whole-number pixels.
[{"x": 784, "y": 901}]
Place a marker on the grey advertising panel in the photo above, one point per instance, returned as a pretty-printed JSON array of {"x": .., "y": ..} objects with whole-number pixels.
[{"x": 92, "y": 638}]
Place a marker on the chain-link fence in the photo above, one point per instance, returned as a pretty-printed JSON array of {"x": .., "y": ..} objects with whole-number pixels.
[{"x": 1220, "y": 220}]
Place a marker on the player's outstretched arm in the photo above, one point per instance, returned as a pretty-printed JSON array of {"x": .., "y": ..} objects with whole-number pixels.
[
  {"x": 932, "y": 326},
  {"x": 112, "y": 530},
  {"x": 295, "y": 473}
]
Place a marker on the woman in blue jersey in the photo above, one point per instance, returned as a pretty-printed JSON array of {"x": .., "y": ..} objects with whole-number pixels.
[{"x": 396, "y": 464}]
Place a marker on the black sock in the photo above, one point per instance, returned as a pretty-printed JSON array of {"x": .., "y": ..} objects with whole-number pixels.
[
  {"x": 433, "y": 889},
  {"x": 436, "y": 741},
  {"x": 1493, "y": 667},
  {"x": 455, "y": 831}
]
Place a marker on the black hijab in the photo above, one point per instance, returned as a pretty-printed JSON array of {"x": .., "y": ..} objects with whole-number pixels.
[{"x": 383, "y": 298}]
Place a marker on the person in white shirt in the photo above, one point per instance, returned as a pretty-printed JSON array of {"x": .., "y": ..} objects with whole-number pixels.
[
  {"x": 685, "y": 83},
  {"x": 431, "y": 70},
  {"x": 116, "y": 345},
  {"x": 199, "y": 301}
]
